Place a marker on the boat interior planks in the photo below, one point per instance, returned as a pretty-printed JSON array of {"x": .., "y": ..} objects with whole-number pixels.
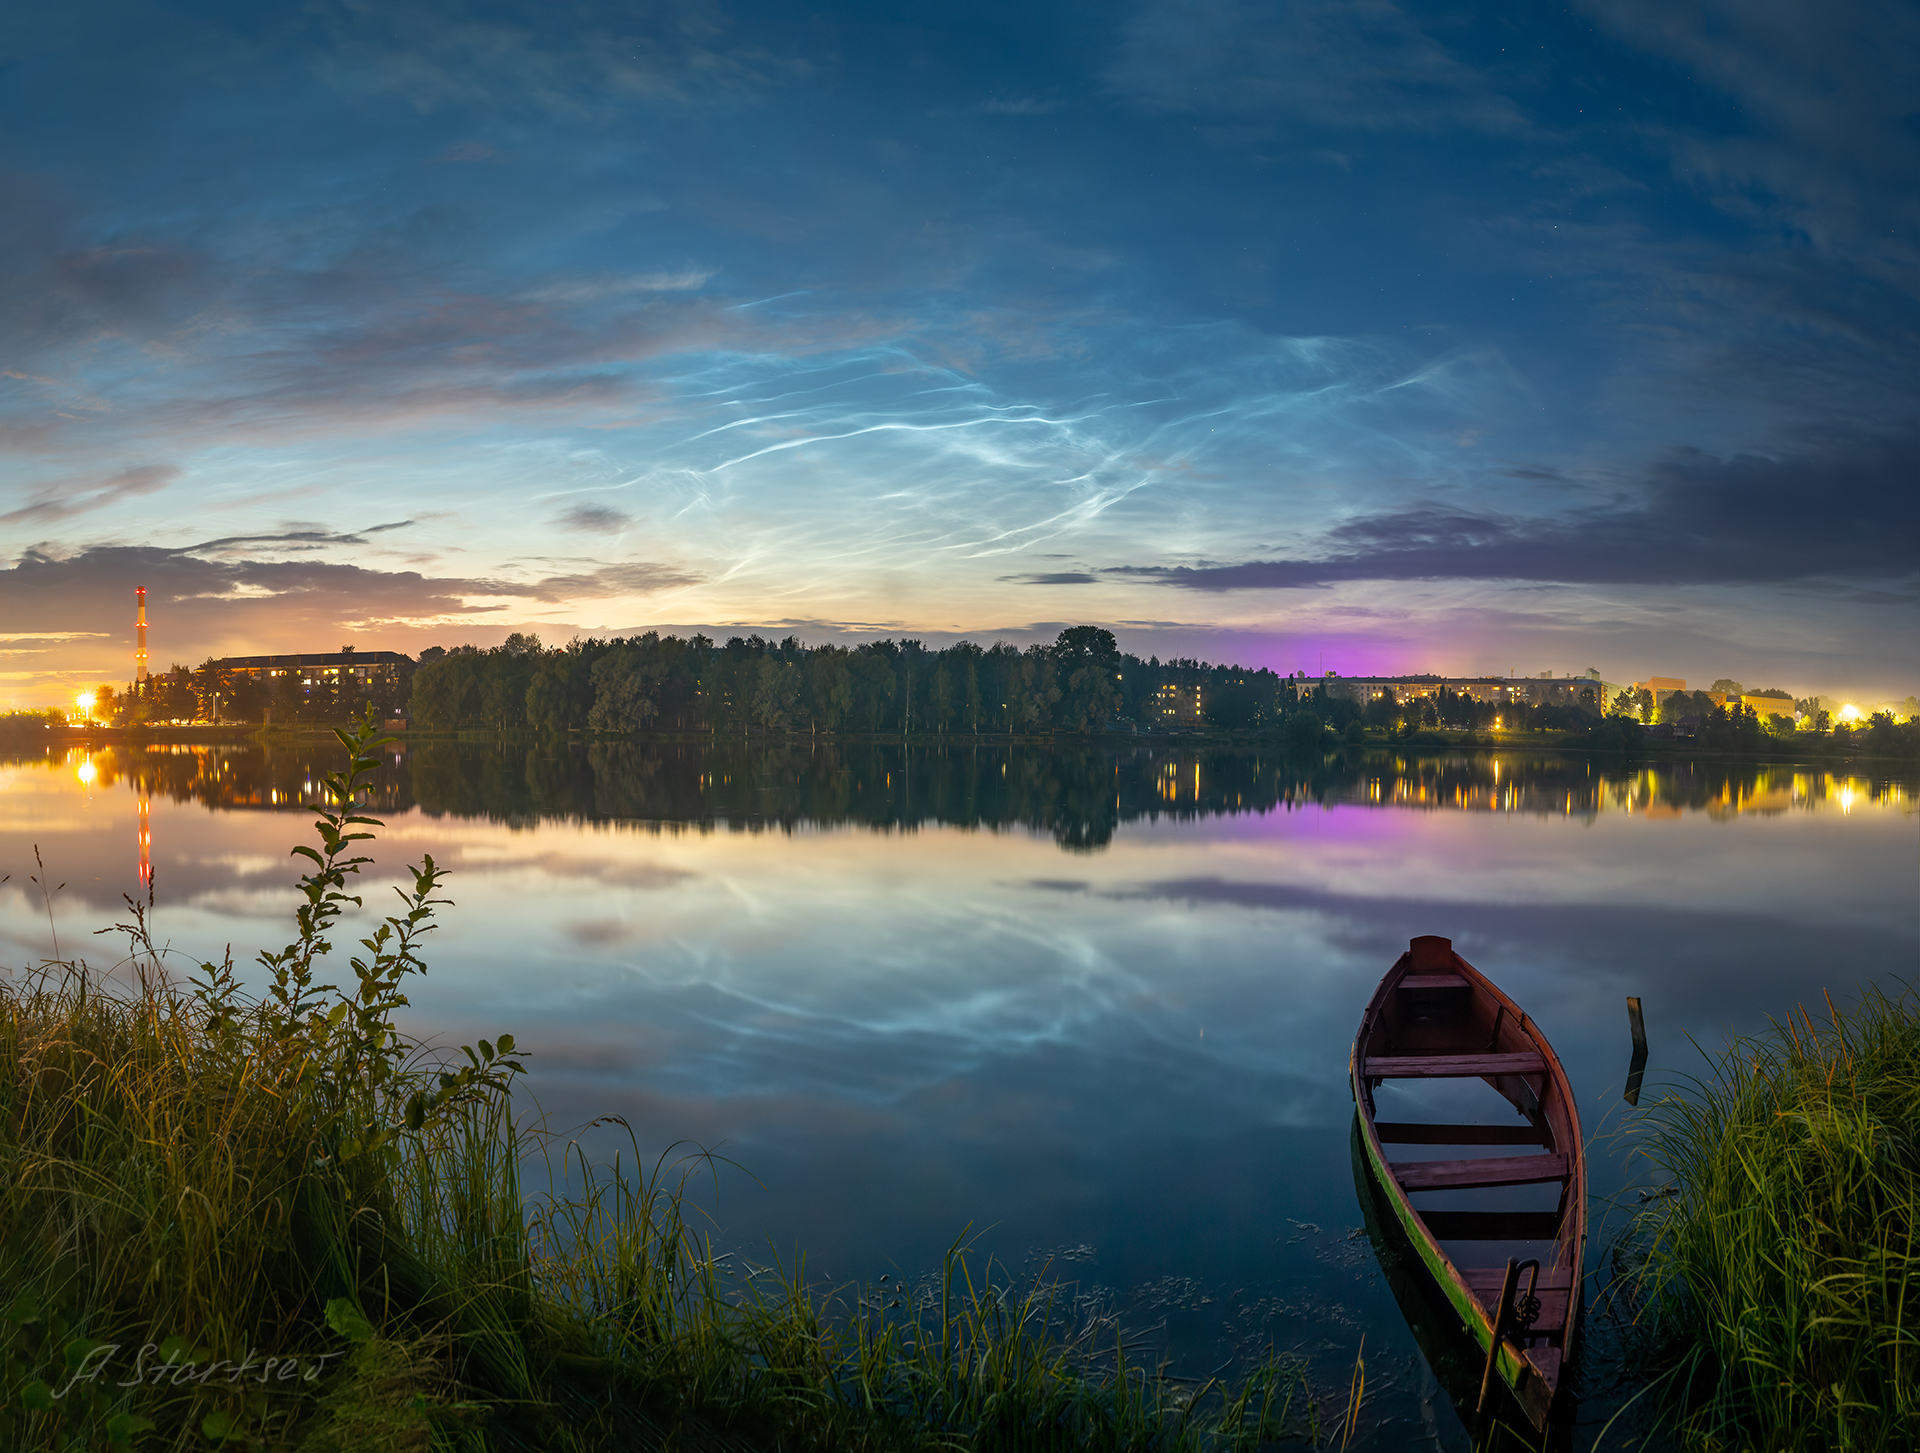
[
  {"x": 1402, "y": 1132},
  {"x": 1435, "y": 1018}
]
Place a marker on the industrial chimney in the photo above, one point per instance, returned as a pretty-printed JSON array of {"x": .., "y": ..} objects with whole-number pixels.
[{"x": 140, "y": 634}]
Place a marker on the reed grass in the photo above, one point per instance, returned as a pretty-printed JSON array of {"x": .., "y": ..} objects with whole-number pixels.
[
  {"x": 278, "y": 1223},
  {"x": 1781, "y": 1279}
]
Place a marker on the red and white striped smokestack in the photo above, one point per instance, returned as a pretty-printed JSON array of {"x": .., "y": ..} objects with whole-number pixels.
[{"x": 140, "y": 634}]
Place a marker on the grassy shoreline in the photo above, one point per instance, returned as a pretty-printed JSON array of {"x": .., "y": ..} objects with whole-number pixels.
[
  {"x": 277, "y": 1224},
  {"x": 1777, "y": 1294}
]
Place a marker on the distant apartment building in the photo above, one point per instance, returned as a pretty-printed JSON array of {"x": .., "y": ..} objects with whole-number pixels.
[
  {"x": 1765, "y": 706},
  {"x": 1174, "y": 706},
  {"x": 1660, "y": 686},
  {"x": 364, "y": 671},
  {"x": 1543, "y": 690}
]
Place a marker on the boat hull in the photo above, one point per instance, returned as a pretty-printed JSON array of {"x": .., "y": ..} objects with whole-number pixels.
[{"x": 1436, "y": 1017}]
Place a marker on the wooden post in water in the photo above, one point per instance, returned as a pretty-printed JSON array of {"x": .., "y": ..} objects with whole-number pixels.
[{"x": 1637, "y": 1066}]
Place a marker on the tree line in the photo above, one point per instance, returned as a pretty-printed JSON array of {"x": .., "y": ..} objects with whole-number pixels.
[{"x": 1080, "y": 682}]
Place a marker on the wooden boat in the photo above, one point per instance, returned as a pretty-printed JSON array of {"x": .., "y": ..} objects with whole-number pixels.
[{"x": 1435, "y": 1016}]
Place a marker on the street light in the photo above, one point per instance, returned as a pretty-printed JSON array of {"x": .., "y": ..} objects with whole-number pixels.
[{"x": 85, "y": 702}]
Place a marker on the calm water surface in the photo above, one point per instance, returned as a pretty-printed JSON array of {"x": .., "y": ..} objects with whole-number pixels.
[{"x": 1094, "y": 1004}]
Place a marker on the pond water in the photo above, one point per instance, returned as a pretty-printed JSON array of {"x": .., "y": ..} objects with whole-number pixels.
[{"x": 1090, "y": 1005}]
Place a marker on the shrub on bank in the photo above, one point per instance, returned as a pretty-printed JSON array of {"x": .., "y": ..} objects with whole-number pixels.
[
  {"x": 275, "y": 1224},
  {"x": 1782, "y": 1274}
]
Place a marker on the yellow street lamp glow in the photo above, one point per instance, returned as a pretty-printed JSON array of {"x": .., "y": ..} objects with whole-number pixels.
[
  {"x": 84, "y": 701},
  {"x": 1849, "y": 712}
]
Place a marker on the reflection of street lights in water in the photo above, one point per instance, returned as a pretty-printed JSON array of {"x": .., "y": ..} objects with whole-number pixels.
[{"x": 86, "y": 773}]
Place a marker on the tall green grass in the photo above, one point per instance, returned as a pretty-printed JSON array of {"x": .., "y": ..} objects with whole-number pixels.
[
  {"x": 1781, "y": 1281},
  {"x": 278, "y": 1223}
]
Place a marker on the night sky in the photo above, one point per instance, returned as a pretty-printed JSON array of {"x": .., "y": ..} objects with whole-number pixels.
[{"x": 1384, "y": 337}]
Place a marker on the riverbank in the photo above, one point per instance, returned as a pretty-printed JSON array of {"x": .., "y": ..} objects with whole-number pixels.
[{"x": 268, "y": 1222}]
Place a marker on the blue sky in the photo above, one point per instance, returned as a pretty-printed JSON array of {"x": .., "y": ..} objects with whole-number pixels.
[{"x": 1389, "y": 336}]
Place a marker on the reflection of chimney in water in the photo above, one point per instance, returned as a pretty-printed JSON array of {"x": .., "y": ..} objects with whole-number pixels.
[{"x": 146, "y": 836}]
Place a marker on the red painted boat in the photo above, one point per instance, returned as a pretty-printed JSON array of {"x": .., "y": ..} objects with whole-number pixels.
[{"x": 1436, "y": 1017}]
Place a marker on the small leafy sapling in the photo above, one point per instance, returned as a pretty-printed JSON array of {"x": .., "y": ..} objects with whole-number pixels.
[
  {"x": 293, "y": 991},
  {"x": 350, "y": 1050}
]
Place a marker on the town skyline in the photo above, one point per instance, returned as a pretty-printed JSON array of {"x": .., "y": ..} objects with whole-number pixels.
[{"x": 1862, "y": 703}]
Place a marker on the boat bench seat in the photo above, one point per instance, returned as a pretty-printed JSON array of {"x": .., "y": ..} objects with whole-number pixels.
[
  {"x": 1407, "y": 1132},
  {"x": 1486, "y": 1170},
  {"x": 1493, "y": 1225},
  {"x": 1428, "y": 983},
  {"x": 1452, "y": 1066}
]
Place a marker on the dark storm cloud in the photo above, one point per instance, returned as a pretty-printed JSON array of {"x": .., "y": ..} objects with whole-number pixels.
[
  {"x": 297, "y": 538},
  {"x": 70, "y": 497},
  {"x": 590, "y": 519},
  {"x": 200, "y": 602},
  {"x": 627, "y": 578},
  {"x": 1847, "y": 513}
]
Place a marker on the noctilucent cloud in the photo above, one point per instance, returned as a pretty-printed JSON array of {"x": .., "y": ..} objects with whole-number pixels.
[{"x": 1338, "y": 333}]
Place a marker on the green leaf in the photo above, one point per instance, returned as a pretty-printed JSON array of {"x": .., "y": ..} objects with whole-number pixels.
[
  {"x": 348, "y": 1320},
  {"x": 505, "y": 1042},
  {"x": 221, "y": 1428},
  {"x": 80, "y": 1349},
  {"x": 24, "y": 1309},
  {"x": 37, "y": 1397},
  {"x": 122, "y": 1426},
  {"x": 486, "y": 1051}
]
